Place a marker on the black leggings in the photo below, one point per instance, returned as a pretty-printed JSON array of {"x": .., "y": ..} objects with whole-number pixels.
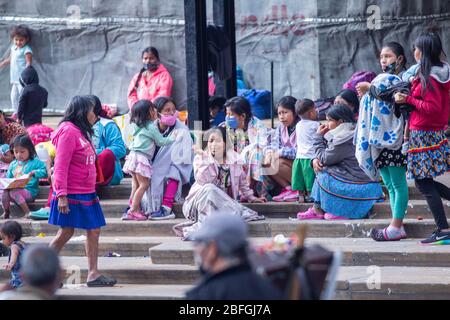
[{"x": 433, "y": 191}]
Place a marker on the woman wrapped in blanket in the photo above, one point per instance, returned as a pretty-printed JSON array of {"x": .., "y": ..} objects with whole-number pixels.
[
  {"x": 341, "y": 190},
  {"x": 219, "y": 181}
]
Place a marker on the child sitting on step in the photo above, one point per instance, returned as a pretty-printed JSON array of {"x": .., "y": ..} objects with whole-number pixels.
[
  {"x": 138, "y": 163},
  {"x": 302, "y": 172},
  {"x": 26, "y": 162}
]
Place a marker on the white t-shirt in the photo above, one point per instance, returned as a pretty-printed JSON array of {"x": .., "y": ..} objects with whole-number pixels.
[{"x": 305, "y": 131}]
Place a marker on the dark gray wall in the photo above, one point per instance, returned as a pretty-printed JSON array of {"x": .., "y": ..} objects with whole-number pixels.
[{"x": 312, "y": 58}]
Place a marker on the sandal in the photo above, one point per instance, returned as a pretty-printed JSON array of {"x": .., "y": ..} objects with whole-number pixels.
[
  {"x": 102, "y": 281},
  {"x": 329, "y": 216},
  {"x": 311, "y": 214}
]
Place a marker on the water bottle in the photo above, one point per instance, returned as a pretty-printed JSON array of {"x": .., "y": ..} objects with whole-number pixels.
[{"x": 42, "y": 153}]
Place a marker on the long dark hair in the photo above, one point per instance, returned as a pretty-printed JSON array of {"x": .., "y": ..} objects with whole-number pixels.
[
  {"x": 140, "y": 112},
  {"x": 289, "y": 102},
  {"x": 151, "y": 50},
  {"x": 340, "y": 112},
  {"x": 160, "y": 102},
  {"x": 76, "y": 113},
  {"x": 430, "y": 45},
  {"x": 98, "y": 110},
  {"x": 399, "y": 51},
  {"x": 24, "y": 141},
  {"x": 240, "y": 106}
]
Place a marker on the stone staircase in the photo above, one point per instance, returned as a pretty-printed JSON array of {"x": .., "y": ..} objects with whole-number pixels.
[{"x": 154, "y": 264}]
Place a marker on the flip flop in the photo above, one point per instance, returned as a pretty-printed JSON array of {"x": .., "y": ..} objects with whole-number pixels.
[{"x": 102, "y": 281}]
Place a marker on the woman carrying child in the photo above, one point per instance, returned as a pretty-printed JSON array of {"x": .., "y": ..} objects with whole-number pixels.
[{"x": 380, "y": 135}]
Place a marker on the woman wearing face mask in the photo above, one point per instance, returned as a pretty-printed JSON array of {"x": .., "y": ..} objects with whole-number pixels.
[
  {"x": 152, "y": 81},
  {"x": 220, "y": 179},
  {"x": 341, "y": 189},
  {"x": 172, "y": 164},
  {"x": 249, "y": 137}
]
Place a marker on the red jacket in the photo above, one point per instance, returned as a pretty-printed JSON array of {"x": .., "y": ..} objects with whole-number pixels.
[
  {"x": 432, "y": 110},
  {"x": 159, "y": 85}
]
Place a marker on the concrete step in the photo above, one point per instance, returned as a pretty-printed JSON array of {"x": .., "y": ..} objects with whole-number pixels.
[
  {"x": 123, "y": 191},
  {"x": 356, "y": 252},
  {"x": 124, "y": 270},
  {"x": 114, "y": 208},
  {"x": 124, "y": 292},
  {"x": 266, "y": 228},
  {"x": 124, "y": 246},
  {"x": 353, "y": 283}
]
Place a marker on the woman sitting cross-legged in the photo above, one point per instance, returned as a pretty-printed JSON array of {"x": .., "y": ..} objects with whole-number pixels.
[
  {"x": 220, "y": 180},
  {"x": 341, "y": 190}
]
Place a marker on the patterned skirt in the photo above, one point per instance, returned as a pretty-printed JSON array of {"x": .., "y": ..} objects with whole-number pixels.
[
  {"x": 352, "y": 200},
  {"x": 428, "y": 154},
  {"x": 85, "y": 212}
]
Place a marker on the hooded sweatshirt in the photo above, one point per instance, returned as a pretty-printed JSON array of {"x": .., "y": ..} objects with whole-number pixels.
[
  {"x": 74, "y": 170},
  {"x": 159, "y": 85},
  {"x": 432, "y": 109},
  {"x": 32, "y": 99}
]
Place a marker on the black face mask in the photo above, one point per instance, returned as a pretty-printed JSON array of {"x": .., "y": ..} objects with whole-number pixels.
[
  {"x": 151, "y": 66},
  {"x": 391, "y": 68}
]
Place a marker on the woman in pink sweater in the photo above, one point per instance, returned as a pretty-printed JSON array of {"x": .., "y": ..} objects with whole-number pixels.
[
  {"x": 152, "y": 81},
  {"x": 75, "y": 203},
  {"x": 429, "y": 150}
]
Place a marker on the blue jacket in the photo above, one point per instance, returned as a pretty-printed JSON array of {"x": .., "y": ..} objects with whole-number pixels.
[
  {"x": 107, "y": 135},
  {"x": 40, "y": 172}
]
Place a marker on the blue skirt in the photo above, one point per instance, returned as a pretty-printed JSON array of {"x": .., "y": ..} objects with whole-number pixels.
[
  {"x": 85, "y": 212},
  {"x": 352, "y": 200}
]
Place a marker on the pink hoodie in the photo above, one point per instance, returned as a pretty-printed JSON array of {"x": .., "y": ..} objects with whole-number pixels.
[
  {"x": 74, "y": 169},
  {"x": 159, "y": 85}
]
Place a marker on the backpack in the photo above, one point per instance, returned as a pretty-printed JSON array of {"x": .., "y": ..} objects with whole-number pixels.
[
  {"x": 360, "y": 76},
  {"x": 260, "y": 101}
]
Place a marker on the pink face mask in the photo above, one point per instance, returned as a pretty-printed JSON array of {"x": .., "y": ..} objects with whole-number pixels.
[{"x": 169, "y": 120}]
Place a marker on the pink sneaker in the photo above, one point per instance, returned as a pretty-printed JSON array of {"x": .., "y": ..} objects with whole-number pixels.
[
  {"x": 291, "y": 196},
  {"x": 280, "y": 197},
  {"x": 311, "y": 214},
  {"x": 137, "y": 216},
  {"x": 329, "y": 216}
]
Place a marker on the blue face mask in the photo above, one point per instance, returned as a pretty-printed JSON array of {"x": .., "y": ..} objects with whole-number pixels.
[{"x": 232, "y": 122}]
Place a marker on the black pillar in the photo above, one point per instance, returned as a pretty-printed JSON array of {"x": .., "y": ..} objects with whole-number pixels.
[
  {"x": 196, "y": 62},
  {"x": 224, "y": 15}
]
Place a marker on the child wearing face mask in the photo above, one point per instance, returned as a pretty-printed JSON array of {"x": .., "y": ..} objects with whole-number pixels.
[
  {"x": 220, "y": 179},
  {"x": 152, "y": 81},
  {"x": 146, "y": 137}
]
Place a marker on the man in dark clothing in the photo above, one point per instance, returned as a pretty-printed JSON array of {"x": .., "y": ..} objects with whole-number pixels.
[
  {"x": 221, "y": 253},
  {"x": 32, "y": 99}
]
